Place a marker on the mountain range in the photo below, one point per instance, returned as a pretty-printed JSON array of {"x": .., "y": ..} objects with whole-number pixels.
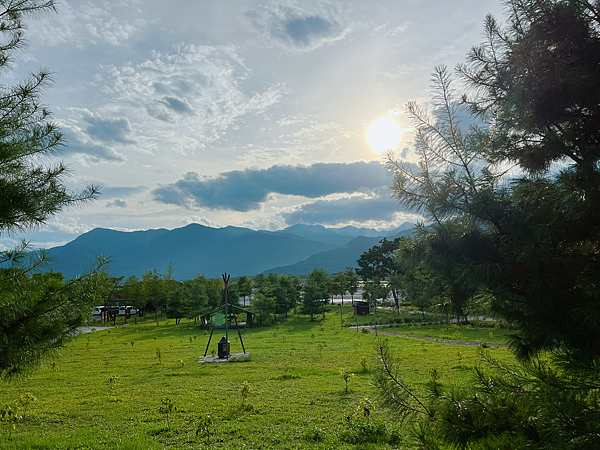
[{"x": 197, "y": 249}]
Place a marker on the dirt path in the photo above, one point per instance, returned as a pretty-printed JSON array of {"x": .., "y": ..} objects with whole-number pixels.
[
  {"x": 436, "y": 340},
  {"x": 87, "y": 329}
]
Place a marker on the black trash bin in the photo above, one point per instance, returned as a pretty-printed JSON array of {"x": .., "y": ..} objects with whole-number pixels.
[{"x": 223, "y": 348}]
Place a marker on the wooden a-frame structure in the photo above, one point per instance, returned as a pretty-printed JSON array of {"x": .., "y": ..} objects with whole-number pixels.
[{"x": 225, "y": 306}]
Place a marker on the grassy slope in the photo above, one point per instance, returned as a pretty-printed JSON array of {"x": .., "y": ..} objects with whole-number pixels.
[{"x": 294, "y": 371}]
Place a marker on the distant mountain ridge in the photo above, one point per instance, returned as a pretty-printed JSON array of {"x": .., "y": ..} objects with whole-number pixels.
[
  {"x": 338, "y": 259},
  {"x": 197, "y": 249}
]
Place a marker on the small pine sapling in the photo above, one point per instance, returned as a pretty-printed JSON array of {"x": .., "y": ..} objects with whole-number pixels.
[
  {"x": 111, "y": 382},
  {"x": 346, "y": 375},
  {"x": 205, "y": 427},
  {"x": 365, "y": 406},
  {"x": 364, "y": 365},
  {"x": 15, "y": 411},
  {"x": 244, "y": 391},
  {"x": 167, "y": 407}
]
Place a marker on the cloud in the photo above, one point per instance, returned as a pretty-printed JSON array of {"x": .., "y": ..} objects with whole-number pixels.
[
  {"x": 85, "y": 23},
  {"x": 79, "y": 143},
  {"x": 161, "y": 109},
  {"x": 200, "y": 89},
  {"x": 357, "y": 208},
  {"x": 177, "y": 105},
  {"x": 109, "y": 130},
  {"x": 296, "y": 29},
  {"x": 118, "y": 203},
  {"x": 90, "y": 150},
  {"x": 245, "y": 190}
]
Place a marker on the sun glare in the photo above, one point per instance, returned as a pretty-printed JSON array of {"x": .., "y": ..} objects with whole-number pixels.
[{"x": 384, "y": 134}]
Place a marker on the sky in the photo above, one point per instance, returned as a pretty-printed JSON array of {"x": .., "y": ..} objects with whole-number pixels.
[{"x": 243, "y": 113}]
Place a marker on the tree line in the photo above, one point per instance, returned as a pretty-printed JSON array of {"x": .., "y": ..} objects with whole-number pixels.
[{"x": 268, "y": 296}]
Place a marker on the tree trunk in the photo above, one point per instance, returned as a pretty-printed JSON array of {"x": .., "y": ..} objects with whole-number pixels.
[
  {"x": 396, "y": 301},
  {"x": 375, "y": 316}
]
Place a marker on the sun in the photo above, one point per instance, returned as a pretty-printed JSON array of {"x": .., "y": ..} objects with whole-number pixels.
[{"x": 384, "y": 134}]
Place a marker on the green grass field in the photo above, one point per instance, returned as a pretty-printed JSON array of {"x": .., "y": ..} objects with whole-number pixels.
[{"x": 297, "y": 397}]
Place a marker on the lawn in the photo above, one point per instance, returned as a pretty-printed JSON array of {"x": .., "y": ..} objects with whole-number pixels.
[{"x": 297, "y": 397}]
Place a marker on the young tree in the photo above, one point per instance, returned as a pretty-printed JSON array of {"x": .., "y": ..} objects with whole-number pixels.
[
  {"x": 195, "y": 291},
  {"x": 154, "y": 290},
  {"x": 375, "y": 291},
  {"x": 131, "y": 291},
  {"x": 285, "y": 294},
  {"x": 316, "y": 293},
  {"x": 178, "y": 303},
  {"x": 352, "y": 280},
  {"x": 265, "y": 306},
  {"x": 379, "y": 262},
  {"x": 244, "y": 287},
  {"x": 296, "y": 292},
  {"x": 36, "y": 315},
  {"x": 340, "y": 284}
]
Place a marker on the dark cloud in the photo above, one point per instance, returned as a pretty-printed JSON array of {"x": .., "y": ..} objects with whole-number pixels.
[
  {"x": 296, "y": 30},
  {"x": 163, "y": 109},
  {"x": 303, "y": 30},
  {"x": 244, "y": 190},
  {"x": 180, "y": 106},
  {"x": 96, "y": 153},
  {"x": 356, "y": 208},
  {"x": 117, "y": 203},
  {"x": 109, "y": 130}
]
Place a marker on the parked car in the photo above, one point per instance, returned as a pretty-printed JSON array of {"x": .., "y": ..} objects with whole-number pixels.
[{"x": 122, "y": 310}]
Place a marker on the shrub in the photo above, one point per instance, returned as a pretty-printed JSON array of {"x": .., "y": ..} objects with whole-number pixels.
[{"x": 373, "y": 432}]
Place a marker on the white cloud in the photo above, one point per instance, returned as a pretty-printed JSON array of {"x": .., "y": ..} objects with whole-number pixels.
[
  {"x": 83, "y": 23},
  {"x": 191, "y": 95},
  {"x": 71, "y": 225},
  {"x": 296, "y": 28},
  {"x": 399, "y": 29}
]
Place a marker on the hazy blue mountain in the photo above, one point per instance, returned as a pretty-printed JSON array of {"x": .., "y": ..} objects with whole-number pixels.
[
  {"x": 318, "y": 233},
  {"x": 194, "y": 249},
  {"x": 337, "y": 259},
  {"x": 340, "y": 236},
  {"x": 370, "y": 232},
  {"x": 197, "y": 249},
  {"x": 405, "y": 226}
]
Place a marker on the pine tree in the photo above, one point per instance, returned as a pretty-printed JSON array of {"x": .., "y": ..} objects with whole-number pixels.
[
  {"x": 38, "y": 312},
  {"x": 316, "y": 293},
  {"x": 512, "y": 208}
]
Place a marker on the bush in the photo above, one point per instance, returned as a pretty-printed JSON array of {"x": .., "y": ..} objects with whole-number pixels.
[{"x": 372, "y": 432}]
